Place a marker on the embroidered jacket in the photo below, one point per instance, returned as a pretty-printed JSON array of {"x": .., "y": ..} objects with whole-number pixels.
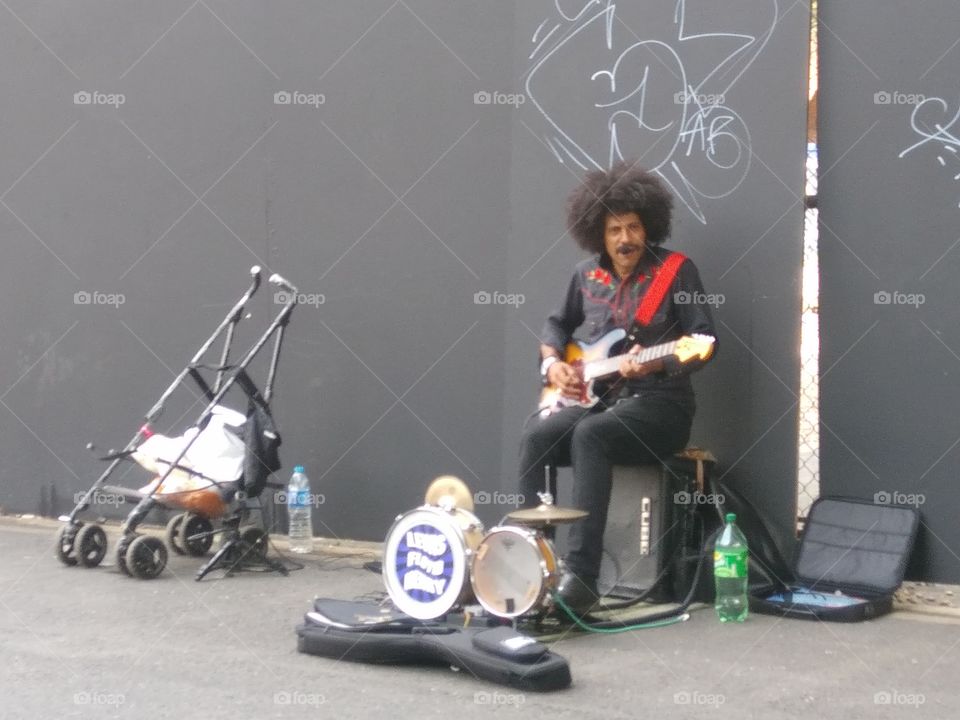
[{"x": 597, "y": 301}]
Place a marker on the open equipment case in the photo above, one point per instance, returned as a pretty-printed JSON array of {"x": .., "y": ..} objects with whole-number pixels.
[{"x": 852, "y": 557}]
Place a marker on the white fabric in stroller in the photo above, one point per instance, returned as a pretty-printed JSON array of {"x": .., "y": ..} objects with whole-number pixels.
[{"x": 216, "y": 454}]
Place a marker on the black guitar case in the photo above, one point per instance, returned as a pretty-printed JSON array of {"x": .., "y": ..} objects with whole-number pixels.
[
  {"x": 365, "y": 632},
  {"x": 852, "y": 558}
]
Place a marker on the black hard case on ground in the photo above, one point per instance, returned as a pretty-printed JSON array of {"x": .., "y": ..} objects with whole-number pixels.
[
  {"x": 363, "y": 632},
  {"x": 856, "y": 547}
]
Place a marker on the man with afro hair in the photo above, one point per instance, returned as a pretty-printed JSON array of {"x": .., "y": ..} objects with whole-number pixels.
[{"x": 621, "y": 217}]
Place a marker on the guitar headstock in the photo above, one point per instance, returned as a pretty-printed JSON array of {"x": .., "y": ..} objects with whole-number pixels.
[{"x": 694, "y": 346}]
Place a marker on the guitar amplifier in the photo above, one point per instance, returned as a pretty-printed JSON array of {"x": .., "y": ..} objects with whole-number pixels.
[{"x": 647, "y": 521}]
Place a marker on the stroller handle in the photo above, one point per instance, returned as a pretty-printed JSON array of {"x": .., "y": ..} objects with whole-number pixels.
[
  {"x": 283, "y": 283},
  {"x": 256, "y": 272}
]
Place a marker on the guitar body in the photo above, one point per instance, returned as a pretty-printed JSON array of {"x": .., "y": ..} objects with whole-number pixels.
[
  {"x": 598, "y": 365},
  {"x": 580, "y": 355}
]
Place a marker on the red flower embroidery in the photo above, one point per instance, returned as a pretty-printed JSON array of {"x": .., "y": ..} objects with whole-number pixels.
[{"x": 601, "y": 276}]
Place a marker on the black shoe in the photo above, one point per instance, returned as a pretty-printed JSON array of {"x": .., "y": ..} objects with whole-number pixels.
[{"x": 578, "y": 594}]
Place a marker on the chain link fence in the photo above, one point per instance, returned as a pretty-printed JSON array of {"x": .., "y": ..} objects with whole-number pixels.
[{"x": 808, "y": 459}]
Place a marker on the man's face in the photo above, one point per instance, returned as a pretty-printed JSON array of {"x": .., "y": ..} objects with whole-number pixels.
[{"x": 624, "y": 238}]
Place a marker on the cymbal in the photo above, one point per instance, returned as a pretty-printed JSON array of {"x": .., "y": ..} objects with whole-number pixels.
[
  {"x": 451, "y": 487},
  {"x": 547, "y": 514}
]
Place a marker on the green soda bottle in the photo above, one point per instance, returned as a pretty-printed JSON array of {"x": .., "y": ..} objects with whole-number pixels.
[{"x": 730, "y": 556}]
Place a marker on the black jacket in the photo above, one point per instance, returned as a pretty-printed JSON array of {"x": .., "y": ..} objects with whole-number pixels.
[{"x": 597, "y": 301}]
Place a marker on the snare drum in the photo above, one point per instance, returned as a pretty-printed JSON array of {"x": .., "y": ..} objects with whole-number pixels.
[
  {"x": 514, "y": 571},
  {"x": 427, "y": 557}
]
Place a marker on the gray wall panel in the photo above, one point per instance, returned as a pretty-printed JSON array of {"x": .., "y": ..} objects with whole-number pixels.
[
  {"x": 311, "y": 192},
  {"x": 398, "y": 276},
  {"x": 889, "y": 230},
  {"x": 745, "y": 239}
]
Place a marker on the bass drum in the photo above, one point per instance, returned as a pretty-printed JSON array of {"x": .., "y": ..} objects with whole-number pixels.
[
  {"x": 514, "y": 571},
  {"x": 427, "y": 557}
]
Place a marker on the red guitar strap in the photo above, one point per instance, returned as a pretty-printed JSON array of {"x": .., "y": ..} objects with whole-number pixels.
[{"x": 659, "y": 287}]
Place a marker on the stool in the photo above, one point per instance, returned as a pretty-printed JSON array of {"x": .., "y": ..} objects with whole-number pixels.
[{"x": 646, "y": 521}]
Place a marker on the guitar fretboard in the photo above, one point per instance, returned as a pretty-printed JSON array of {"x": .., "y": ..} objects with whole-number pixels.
[{"x": 611, "y": 365}]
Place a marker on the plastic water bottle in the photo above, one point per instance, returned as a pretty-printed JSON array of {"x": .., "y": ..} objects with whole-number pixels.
[
  {"x": 730, "y": 557},
  {"x": 300, "y": 535}
]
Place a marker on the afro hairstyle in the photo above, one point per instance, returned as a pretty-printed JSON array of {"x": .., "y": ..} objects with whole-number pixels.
[{"x": 621, "y": 189}]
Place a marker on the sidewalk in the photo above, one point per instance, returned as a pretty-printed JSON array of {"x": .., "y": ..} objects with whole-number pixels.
[{"x": 80, "y": 643}]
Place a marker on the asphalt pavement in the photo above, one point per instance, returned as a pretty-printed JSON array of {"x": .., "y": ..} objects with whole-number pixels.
[{"x": 93, "y": 643}]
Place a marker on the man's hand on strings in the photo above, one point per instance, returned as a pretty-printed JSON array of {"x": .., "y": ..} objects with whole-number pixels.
[{"x": 630, "y": 368}]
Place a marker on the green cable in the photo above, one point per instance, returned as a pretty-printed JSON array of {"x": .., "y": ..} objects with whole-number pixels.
[{"x": 640, "y": 626}]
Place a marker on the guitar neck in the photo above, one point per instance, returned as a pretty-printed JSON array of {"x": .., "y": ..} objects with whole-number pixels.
[{"x": 611, "y": 365}]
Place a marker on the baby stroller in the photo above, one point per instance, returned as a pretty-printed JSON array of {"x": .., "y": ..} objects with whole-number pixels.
[{"x": 223, "y": 461}]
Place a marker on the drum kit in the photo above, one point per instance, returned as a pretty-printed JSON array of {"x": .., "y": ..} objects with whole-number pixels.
[{"x": 437, "y": 556}]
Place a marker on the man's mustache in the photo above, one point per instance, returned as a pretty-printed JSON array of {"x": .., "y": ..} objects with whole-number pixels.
[{"x": 628, "y": 249}]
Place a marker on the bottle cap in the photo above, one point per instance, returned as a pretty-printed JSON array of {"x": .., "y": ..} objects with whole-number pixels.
[
  {"x": 731, "y": 518},
  {"x": 299, "y": 469}
]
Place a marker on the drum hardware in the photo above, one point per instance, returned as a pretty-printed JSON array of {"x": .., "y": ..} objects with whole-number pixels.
[
  {"x": 449, "y": 490},
  {"x": 437, "y": 557},
  {"x": 515, "y": 571},
  {"x": 546, "y": 513},
  {"x": 427, "y": 558}
]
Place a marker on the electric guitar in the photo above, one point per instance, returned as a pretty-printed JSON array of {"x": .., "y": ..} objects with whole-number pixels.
[{"x": 594, "y": 362}]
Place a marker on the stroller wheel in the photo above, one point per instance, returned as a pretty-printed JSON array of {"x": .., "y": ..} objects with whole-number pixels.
[
  {"x": 146, "y": 557},
  {"x": 66, "y": 537},
  {"x": 173, "y": 533},
  {"x": 122, "y": 548},
  {"x": 91, "y": 545},
  {"x": 196, "y": 534},
  {"x": 256, "y": 540}
]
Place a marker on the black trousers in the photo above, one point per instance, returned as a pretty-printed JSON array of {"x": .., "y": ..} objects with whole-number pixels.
[{"x": 634, "y": 431}]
